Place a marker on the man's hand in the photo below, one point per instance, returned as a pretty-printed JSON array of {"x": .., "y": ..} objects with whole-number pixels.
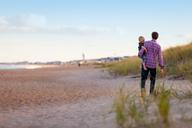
[{"x": 162, "y": 72}]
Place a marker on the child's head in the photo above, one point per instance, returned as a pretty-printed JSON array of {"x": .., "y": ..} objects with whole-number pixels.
[{"x": 141, "y": 39}]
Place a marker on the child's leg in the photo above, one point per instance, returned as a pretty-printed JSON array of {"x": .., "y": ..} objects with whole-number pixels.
[{"x": 143, "y": 63}]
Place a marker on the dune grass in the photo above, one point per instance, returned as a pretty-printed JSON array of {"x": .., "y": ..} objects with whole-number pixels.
[
  {"x": 128, "y": 114},
  {"x": 162, "y": 97},
  {"x": 124, "y": 67},
  {"x": 133, "y": 111},
  {"x": 178, "y": 62}
]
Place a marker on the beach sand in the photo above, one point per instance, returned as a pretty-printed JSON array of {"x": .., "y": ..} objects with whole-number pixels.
[{"x": 65, "y": 97}]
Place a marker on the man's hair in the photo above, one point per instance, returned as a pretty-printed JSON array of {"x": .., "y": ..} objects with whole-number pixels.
[{"x": 155, "y": 35}]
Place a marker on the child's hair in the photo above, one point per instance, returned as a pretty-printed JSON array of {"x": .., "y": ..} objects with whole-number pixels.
[{"x": 141, "y": 39}]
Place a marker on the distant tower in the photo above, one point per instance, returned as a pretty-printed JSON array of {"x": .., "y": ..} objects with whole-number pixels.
[{"x": 83, "y": 57}]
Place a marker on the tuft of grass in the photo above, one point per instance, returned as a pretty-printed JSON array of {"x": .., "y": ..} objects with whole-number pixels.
[
  {"x": 136, "y": 115},
  {"x": 162, "y": 97},
  {"x": 128, "y": 113},
  {"x": 120, "y": 105}
]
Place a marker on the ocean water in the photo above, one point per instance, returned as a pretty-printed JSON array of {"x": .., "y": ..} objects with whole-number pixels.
[{"x": 18, "y": 66}]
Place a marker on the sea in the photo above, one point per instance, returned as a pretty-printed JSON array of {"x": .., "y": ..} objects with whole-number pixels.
[{"x": 19, "y": 66}]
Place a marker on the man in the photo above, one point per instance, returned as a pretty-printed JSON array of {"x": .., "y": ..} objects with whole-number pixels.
[{"x": 153, "y": 55}]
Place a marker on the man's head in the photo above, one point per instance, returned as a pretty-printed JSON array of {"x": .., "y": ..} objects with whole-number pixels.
[
  {"x": 141, "y": 39},
  {"x": 155, "y": 35}
]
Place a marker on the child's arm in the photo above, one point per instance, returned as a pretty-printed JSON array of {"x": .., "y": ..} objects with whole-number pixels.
[{"x": 143, "y": 47}]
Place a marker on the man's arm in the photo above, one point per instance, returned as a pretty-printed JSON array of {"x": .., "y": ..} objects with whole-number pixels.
[{"x": 160, "y": 59}]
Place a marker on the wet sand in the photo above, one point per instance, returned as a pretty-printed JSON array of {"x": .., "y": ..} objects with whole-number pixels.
[{"x": 63, "y": 97}]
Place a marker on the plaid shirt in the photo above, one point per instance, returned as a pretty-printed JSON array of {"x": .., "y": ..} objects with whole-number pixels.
[{"x": 153, "y": 54}]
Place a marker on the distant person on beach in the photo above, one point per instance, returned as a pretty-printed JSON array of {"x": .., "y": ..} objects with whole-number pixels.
[
  {"x": 79, "y": 64},
  {"x": 141, "y": 45},
  {"x": 153, "y": 55}
]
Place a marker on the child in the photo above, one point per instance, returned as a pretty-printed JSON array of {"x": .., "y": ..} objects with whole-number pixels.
[{"x": 141, "y": 45}]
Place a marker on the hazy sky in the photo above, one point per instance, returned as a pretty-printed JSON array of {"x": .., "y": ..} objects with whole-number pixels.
[{"x": 45, "y": 30}]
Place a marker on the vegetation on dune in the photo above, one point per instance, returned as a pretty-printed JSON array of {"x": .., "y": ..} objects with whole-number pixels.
[
  {"x": 178, "y": 54},
  {"x": 124, "y": 67},
  {"x": 178, "y": 61}
]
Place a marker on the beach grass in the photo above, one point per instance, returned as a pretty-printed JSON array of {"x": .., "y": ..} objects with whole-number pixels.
[
  {"x": 179, "y": 60},
  {"x": 162, "y": 98},
  {"x": 124, "y": 67},
  {"x": 128, "y": 113},
  {"x": 133, "y": 111}
]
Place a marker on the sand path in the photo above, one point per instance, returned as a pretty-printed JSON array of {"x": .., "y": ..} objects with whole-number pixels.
[{"x": 61, "y": 97}]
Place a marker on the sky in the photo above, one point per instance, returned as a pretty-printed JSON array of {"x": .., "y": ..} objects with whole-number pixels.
[{"x": 50, "y": 30}]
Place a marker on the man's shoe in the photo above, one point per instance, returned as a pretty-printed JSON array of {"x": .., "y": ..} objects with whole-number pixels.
[
  {"x": 143, "y": 92},
  {"x": 143, "y": 95}
]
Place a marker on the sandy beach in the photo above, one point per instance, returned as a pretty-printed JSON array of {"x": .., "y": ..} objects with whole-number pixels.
[{"x": 65, "y": 97}]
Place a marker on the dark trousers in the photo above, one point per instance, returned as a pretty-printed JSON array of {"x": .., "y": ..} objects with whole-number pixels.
[{"x": 144, "y": 75}]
